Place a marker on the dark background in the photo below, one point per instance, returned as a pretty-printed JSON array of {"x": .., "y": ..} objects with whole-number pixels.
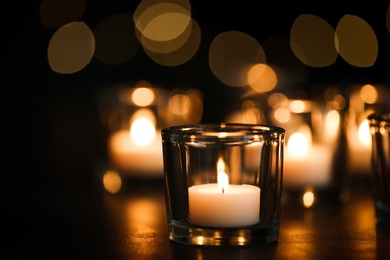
[{"x": 53, "y": 137}]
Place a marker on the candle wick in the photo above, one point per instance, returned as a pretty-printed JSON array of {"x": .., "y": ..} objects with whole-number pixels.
[{"x": 223, "y": 189}]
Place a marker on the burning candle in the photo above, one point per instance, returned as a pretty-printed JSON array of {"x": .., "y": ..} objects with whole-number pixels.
[
  {"x": 306, "y": 164},
  {"x": 224, "y": 205},
  {"x": 137, "y": 151},
  {"x": 359, "y": 141}
]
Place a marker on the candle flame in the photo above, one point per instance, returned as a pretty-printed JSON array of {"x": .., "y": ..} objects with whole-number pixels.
[
  {"x": 300, "y": 142},
  {"x": 364, "y": 133},
  {"x": 222, "y": 177},
  {"x": 332, "y": 123},
  {"x": 142, "y": 131},
  {"x": 308, "y": 199}
]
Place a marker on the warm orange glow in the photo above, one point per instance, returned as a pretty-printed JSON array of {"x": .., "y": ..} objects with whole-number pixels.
[
  {"x": 222, "y": 177},
  {"x": 142, "y": 131},
  {"x": 231, "y": 56},
  {"x": 364, "y": 133},
  {"x": 143, "y": 216},
  {"x": 168, "y": 46},
  {"x": 161, "y": 20},
  {"x": 169, "y": 35},
  {"x": 251, "y": 115},
  {"x": 278, "y": 100},
  {"x": 112, "y": 181},
  {"x": 145, "y": 113},
  {"x": 312, "y": 41},
  {"x": 282, "y": 115},
  {"x": 143, "y": 97},
  {"x": 180, "y": 104},
  {"x": 175, "y": 53},
  {"x": 356, "y": 41},
  {"x": 332, "y": 123},
  {"x": 298, "y": 106},
  {"x": 300, "y": 142},
  {"x": 368, "y": 94},
  {"x": 262, "y": 78},
  {"x": 297, "y": 145},
  {"x": 71, "y": 48},
  {"x": 308, "y": 199}
]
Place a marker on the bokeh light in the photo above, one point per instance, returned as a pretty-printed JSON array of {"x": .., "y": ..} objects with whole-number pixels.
[
  {"x": 262, "y": 78},
  {"x": 232, "y": 54},
  {"x": 161, "y": 20},
  {"x": 179, "y": 55},
  {"x": 288, "y": 68},
  {"x": 142, "y": 96},
  {"x": 368, "y": 94},
  {"x": 356, "y": 41},
  {"x": 112, "y": 181},
  {"x": 312, "y": 41},
  {"x": 71, "y": 48}
]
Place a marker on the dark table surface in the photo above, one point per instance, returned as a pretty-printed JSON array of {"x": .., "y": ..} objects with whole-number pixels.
[{"x": 59, "y": 222}]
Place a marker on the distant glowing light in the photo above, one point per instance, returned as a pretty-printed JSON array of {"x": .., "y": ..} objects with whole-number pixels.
[
  {"x": 179, "y": 52},
  {"x": 356, "y": 41},
  {"x": 112, "y": 181},
  {"x": 308, "y": 199},
  {"x": 282, "y": 115},
  {"x": 297, "y": 145},
  {"x": 278, "y": 100},
  {"x": 231, "y": 56},
  {"x": 142, "y": 97},
  {"x": 332, "y": 123},
  {"x": 298, "y": 106},
  {"x": 180, "y": 104},
  {"x": 364, "y": 133},
  {"x": 369, "y": 94},
  {"x": 71, "y": 48},
  {"x": 262, "y": 78},
  {"x": 312, "y": 41},
  {"x": 142, "y": 132},
  {"x": 161, "y": 20}
]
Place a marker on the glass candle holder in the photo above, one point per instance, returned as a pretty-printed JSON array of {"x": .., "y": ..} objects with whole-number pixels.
[
  {"x": 380, "y": 149},
  {"x": 314, "y": 148},
  {"x": 223, "y": 183},
  {"x": 315, "y": 156},
  {"x": 131, "y": 116}
]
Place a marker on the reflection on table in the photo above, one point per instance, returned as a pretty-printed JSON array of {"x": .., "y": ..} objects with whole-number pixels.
[{"x": 92, "y": 223}]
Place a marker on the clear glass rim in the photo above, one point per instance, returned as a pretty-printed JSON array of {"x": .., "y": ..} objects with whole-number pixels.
[{"x": 224, "y": 127}]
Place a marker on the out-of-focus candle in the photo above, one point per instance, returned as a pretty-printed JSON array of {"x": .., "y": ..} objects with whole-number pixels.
[
  {"x": 306, "y": 164},
  {"x": 136, "y": 154},
  {"x": 359, "y": 158},
  {"x": 224, "y": 205}
]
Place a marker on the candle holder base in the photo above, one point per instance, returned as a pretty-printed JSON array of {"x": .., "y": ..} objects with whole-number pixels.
[{"x": 188, "y": 234}]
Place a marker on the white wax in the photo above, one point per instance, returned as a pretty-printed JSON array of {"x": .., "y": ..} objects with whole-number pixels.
[
  {"x": 311, "y": 169},
  {"x": 238, "y": 206},
  {"x": 133, "y": 159},
  {"x": 359, "y": 160}
]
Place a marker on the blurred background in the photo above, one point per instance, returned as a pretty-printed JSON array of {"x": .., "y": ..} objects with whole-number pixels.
[{"x": 72, "y": 72}]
